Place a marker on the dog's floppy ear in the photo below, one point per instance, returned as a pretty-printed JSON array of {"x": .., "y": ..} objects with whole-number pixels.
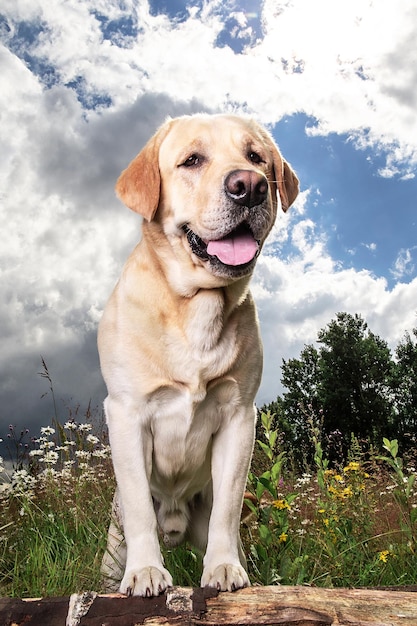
[
  {"x": 284, "y": 177},
  {"x": 287, "y": 181},
  {"x": 138, "y": 186}
]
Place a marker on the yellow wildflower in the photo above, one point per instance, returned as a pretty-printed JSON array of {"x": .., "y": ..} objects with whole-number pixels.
[
  {"x": 281, "y": 504},
  {"x": 339, "y": 478},
  {"x": 347, "y": 492},
  {"x": 283, "y": 537},
  {"x": 383, "y": 555},
  {"x": 353, "y": 466}
]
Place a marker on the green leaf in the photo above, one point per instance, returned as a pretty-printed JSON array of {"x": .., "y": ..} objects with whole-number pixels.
[
  {"x": 266, "y": 449},
  {"x": 267, "y": 484},
  {"x": 275, "y": 473},
  {"x": 391, "y": 446},
  {"x": 251, "y": 506},
  {"x": 272, "y": 438},
  {"x": 260, "y": 488},
  {"x": 410, "y": 483},
  {"x": 265, "y": 534}
]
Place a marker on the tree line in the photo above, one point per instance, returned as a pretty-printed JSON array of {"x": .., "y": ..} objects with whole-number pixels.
[{"x": 350, "y": 385}]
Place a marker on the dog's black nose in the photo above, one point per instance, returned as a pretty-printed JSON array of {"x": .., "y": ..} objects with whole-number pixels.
[{"x": 246, "y": 187}]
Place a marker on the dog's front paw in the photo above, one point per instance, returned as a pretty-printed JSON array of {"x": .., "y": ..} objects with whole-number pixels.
[
  {"x": 148, "y": 581},
  {"x": 225, "y": 577}
]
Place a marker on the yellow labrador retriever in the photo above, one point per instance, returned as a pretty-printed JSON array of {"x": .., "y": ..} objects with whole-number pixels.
[{"x": 180, "y": 349}]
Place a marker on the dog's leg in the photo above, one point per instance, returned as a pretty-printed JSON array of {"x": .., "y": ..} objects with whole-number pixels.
[
  {"x": 197, "y": 533},
  {"x": 200, "y": 510},
  {"x": 232, "y": 449},
  {"x": 114, "y": 559},
  {"x": 145, "y": 574}
]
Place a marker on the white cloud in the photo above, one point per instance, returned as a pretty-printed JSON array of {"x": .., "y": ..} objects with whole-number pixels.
[
  {"x": 66, "y": 236},
  {"x": 298, "y": 297},
  {"x": 355, "y": 71},
  {"x": 404, "y": 264},
  {"x": 356, "y": 68}
]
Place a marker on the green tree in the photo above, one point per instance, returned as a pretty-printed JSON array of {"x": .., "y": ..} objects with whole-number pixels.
[
  {"x": 345, "y": 383},
  {"x": 404, "y": 387},
  {"x": 355, "y": 371},
  {"x": 301, "y": 378}
]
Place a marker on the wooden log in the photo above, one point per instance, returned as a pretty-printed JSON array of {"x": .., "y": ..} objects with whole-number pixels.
[{"x": 266, "y": 606}]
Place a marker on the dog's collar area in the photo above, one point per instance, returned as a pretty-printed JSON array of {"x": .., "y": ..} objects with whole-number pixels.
[{"x": 238, "y": 249}]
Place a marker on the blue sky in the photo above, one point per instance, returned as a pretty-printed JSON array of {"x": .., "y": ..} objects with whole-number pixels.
[
  {"x": 85, "y": 84},
  {"x": 368, "y": 220}
]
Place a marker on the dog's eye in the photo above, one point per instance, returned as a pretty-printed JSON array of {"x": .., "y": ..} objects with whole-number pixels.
[
  {"x": 254, "y": 157},
  {"x": 192, "y": 160}
]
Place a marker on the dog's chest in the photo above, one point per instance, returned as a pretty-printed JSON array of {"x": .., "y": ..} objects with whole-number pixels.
[
  {"x": 203, "y": 345},
  {"x": 182, "y": 426}
]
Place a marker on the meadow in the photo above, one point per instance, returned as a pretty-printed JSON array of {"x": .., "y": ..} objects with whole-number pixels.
[{"x": 352, "y": 523}]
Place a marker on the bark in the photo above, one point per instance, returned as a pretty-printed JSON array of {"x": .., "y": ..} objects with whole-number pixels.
[{"x": 268, "y": 606}]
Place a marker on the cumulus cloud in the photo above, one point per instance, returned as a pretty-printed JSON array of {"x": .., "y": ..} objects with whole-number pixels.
[
  {"x": 298, "y": 297},
  {"x": 85, "y": 84},
  {"x": 404, "y": 264}
]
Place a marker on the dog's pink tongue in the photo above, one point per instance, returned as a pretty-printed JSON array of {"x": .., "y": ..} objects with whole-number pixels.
[{"x": 237, "y": 249}]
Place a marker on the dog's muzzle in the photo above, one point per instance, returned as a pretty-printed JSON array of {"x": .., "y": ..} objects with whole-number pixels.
[
  {"x": 235, "y": 253},
  {"x": 238, "y": 250}
]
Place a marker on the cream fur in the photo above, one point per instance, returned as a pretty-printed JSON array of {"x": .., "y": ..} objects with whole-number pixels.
[{"x": 181, "y": 355}]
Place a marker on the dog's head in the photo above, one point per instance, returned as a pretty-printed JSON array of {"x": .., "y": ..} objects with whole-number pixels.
[{"x": 212, "y": 183}]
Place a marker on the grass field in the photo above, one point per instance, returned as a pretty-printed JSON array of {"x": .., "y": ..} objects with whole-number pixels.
[{"x": 349, "y": 525}]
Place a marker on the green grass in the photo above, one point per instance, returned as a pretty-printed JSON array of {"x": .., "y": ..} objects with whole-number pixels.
[
  {"x": 353, "y": 525},
  {"x": 54, "y": 514}
]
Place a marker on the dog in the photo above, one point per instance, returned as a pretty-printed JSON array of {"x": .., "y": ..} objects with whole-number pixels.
[{"x": 180, "y": 349}]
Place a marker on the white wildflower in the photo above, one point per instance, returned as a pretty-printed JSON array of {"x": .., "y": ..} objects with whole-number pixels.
[
  {"x": 92, "y": 439},
  {"x": 84, "y": 428},
  {"x": 36, "y": 453},
  {"x": 88, "y": 474},
  {"x": 5, "y": 489},
  {"x": 46, "y": 445},
  {"x": 22, "y": 481},
  {"x": 47, "y": 430},
  {"x": 303, "y": 480},
  {"x": 82, "y": 454},
  {"x": 70, "y": 426},
  {"x": 49, "y": 473},
  {"x": 103, "y": 453},
  {"x": 51, "y": 457}
]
